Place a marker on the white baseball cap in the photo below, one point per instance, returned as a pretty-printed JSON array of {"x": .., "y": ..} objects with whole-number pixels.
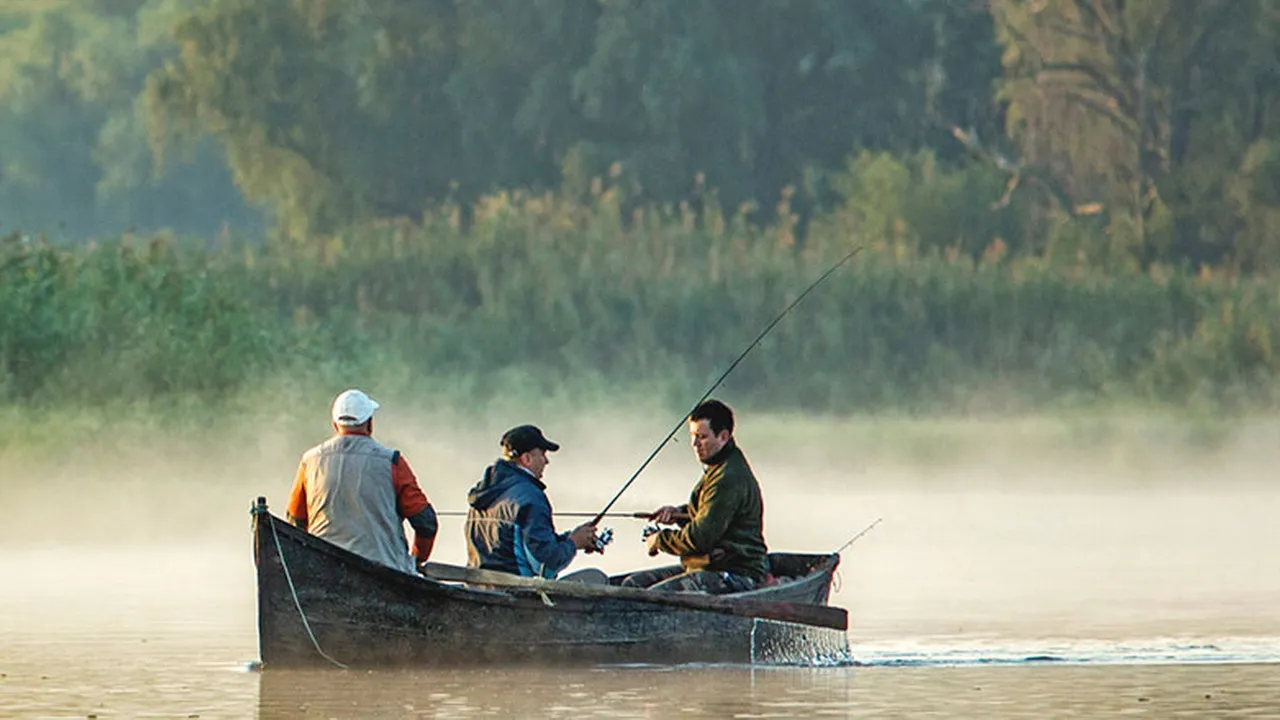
[{"x": 352, "y": 407}]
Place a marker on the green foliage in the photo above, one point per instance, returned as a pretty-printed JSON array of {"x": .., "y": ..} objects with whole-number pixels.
[
  {"x": 76, "y": 161},
  {"x": 1148, "y": 108},
  {"x": 548, "y": 296},
  {"x": 928, "y": 205},
  {"x": 122, "y": 320},
  {"x": 1113, "y": 133},
  {"x": 339, "y": 112}
]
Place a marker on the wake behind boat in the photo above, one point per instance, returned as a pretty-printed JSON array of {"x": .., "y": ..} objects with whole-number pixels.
[{"x": 319, "y": 604}]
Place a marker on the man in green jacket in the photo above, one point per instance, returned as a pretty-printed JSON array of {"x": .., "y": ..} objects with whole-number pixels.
[{"x": 720, "y": 539}]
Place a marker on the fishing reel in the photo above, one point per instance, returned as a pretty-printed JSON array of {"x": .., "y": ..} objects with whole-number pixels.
[
  {"x": 604, "y": 537},
  {"x": 650, "y": 529}
]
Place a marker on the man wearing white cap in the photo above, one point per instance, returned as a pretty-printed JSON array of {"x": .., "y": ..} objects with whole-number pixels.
[{"x": 355, "y": 493}]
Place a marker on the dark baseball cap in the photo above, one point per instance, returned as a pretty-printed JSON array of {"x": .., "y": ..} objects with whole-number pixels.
[{"x": 524, "y": 438}]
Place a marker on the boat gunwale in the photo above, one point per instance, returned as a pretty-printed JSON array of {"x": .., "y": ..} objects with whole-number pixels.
[{"x": 514, "y": 597}]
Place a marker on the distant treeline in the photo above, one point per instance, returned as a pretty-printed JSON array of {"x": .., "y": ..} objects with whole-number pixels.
[
  {"x": 548, "y": 296},
  {"x": 1118, "y": 134}
]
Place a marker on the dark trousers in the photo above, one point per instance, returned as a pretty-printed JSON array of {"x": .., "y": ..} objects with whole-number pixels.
[{"x": 674, "y": 579}]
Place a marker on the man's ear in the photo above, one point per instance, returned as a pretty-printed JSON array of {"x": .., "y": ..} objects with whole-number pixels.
[{"x": 723, "y": 436}]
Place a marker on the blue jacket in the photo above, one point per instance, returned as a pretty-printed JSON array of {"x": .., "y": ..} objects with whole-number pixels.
[{"x": 509, "y": 525}]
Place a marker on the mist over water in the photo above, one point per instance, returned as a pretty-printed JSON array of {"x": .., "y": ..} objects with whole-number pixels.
[{"x": 128, "y": 573}]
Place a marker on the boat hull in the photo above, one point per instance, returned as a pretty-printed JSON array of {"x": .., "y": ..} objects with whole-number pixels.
[{"x": 319, "y": 605}]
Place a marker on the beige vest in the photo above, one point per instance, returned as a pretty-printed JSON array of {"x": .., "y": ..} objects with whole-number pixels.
[{"x": 351, "y": 501}]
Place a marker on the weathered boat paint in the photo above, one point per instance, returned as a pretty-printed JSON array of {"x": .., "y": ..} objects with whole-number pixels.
[{"x": 363, "y": 614}]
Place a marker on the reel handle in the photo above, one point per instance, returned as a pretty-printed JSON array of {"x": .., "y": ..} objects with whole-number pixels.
[{"x": 603, "y": 538}]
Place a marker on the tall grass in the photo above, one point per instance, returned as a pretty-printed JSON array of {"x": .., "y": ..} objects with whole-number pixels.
[{"x": 543, "y": 297}]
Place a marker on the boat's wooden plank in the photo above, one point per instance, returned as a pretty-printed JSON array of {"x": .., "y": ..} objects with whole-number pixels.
[
  {"x": 817, "y": 615},
  {"x": 366, "y": 614}
]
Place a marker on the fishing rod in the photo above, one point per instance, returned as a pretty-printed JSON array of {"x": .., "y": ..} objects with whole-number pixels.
[
  {"x": 854, "y": 539},
  {"x": 603, "y": 513}
]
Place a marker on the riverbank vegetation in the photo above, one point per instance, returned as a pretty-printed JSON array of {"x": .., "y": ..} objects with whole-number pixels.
[
  {"x": 1065, "y": 204},
  {"x": 542, "y": 297}
]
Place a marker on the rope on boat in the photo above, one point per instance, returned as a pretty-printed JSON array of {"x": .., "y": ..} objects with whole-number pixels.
[{"x": 293, "y": 591}]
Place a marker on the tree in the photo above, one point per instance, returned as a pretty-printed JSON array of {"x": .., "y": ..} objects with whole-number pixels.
[
  {"x": 333, "y": 111},
  {"x": 1113, "y": 99},
  {"x": 76, "y": 160},
  {"x": 749, "y": 95}
]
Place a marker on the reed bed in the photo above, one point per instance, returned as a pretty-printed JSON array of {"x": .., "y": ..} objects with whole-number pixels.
[{"x": 540, "y": 297}]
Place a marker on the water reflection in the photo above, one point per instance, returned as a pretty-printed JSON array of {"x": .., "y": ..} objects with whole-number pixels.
[
  {"x": 1006, "y": 693},
  {"x": 528, "y": 692}
]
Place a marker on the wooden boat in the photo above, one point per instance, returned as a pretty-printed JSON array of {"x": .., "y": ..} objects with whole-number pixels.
[{"x": 319, "y": 604}]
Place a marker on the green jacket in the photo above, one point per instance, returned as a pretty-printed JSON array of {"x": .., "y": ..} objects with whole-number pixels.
[{"x": 725, "y": 531}]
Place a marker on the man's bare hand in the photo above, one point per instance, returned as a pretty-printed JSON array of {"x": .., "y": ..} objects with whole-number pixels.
[
  {"x": 666, "y": 515},
  {"x": 651, "y": 543},
  {"x": 584, "y": 536}
]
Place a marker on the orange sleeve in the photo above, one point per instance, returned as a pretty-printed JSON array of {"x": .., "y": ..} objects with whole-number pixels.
[
  {"x": 297, "y": 507},
  {"x": 410, "y": 500}
]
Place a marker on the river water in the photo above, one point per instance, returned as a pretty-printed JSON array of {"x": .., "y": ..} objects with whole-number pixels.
[{"x": 979, "y": 595}]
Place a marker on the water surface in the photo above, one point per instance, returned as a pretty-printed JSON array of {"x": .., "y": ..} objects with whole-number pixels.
[{"x": 1068, "y": 585}]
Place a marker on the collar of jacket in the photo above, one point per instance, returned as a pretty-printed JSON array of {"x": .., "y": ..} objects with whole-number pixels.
[
  {"x": 723, "y": 455},
  {"x": 524, "y": 471}
]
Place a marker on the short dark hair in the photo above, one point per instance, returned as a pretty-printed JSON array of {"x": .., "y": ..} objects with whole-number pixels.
[{"x": 718, "y": 415}]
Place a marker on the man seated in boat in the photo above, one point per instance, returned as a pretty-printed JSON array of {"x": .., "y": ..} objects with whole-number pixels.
[
  {"x": 720, "y": 539},
  {"x": 509, "y": 526},
  {"x": 355, "y": 493}
]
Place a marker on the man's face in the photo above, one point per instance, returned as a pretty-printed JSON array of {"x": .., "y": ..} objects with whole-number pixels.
[
  {"x": 536, "y": 461},
  {"x": 706, "y": 443}
]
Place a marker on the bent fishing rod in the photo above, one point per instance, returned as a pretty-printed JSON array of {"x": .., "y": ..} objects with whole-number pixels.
[{"x": 603, "y": 513}]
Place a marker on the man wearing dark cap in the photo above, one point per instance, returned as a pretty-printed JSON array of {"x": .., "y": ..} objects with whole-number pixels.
[{"x": 509, "y": 526}]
